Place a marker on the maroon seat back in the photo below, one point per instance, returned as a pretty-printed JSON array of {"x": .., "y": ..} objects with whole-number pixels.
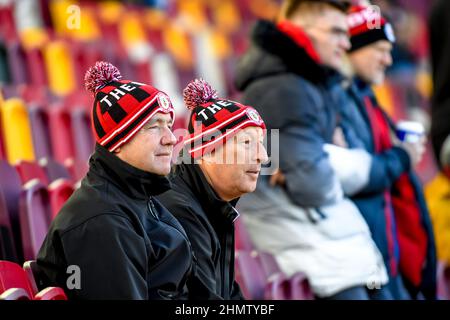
[
  {"x": 59, "y": 191},
  {"x": 243, "y": 240},
  {"x": 250, "y": 275},
  {"x": 31, "y": 170},
  {"x": 40, "y": 129},
  {"x": 13, "y": 276},
  {"x": 11, "y": 187},
  {"x": 82, "y": 133}
]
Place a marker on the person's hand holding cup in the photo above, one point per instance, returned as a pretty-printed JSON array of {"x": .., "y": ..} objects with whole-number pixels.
[{"x": 412, "y": 138}]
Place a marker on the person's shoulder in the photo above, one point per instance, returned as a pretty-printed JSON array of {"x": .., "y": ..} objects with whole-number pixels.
[{"x": 180, "y": 202}]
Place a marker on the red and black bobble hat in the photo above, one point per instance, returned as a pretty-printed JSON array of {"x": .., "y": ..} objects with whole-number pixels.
[
  {"x": 213, "y": 121},
  {"x": 366, "y": 26},
  {"x": 121, "y": 107}
]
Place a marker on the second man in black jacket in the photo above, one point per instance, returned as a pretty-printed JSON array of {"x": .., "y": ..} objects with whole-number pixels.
[{"x": 226, "y": 144}]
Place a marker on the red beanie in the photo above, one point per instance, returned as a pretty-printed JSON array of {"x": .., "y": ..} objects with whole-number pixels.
[
  {"x": 366, "y": 26},
  {"x": 213, "y": 121},
  {"x": 121, "y": 107}
]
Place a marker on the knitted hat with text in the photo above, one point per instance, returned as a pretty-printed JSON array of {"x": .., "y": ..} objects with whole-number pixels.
[
  {"x": 366, "y": 26},
  {"x": 121, "y": 107},
  {"x": 213, "y": 121}
]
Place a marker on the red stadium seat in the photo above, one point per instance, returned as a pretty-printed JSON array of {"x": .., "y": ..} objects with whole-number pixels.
[
  {"x": 243, "y": 241},
  {"x": 13, "y": 276},
  {"x": 15, "y": 285},
  {"x": 443, "y": 281},
  {"x": 36, "y": 66},
  {"x": 82, "y": 133},
  {"x": 59, "y": 191},
  {"x": 61, "y": 133},
  {"x": 54, "y": 170},
  {"x": 40, "y": 129},
  {"x": 249, "y": 275},
  {"x": 77, "y": 169},
  {"x": 51, "y": 293},
  {"x": 35, "y": 217},
  {"x": 15, "y": 294},
  {"x": 300, "y": 287},
  {"x": 31, "y": 170},
  {"x": 277, "y": 288}
]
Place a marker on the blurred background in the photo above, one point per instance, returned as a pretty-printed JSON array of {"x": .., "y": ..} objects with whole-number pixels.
[{"x": 46, "y": 46}]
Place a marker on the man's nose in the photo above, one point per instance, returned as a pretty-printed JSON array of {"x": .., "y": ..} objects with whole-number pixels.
[{"x": 345, "y": 43}]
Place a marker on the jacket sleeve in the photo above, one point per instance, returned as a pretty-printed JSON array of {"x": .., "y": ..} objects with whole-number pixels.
[
  {"x": 386, "y": 168},
  {"x": 352, "y": 166},
  {"x": 111, "y": 256},
  {"x": 300, "y": 115}
]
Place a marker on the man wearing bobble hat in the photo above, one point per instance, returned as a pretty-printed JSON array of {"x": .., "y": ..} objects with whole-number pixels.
[
  {"x": 113, "y": 239},
  {"x": 225, "y": 152},
  {"x": 392, "y": 201}
]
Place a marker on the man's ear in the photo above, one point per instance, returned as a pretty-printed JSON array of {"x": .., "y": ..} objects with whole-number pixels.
[{"x": 117, "y": 151}]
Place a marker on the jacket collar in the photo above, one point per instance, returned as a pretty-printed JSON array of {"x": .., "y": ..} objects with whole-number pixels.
[
  {"x": 193, "y": 176},
  {"x": 133, "y": 181},
  {"x": 294, "y": 48}
]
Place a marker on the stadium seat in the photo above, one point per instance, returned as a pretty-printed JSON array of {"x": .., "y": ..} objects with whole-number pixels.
[
  {"x": 15, "y": 285},
  {"x": 77, "y": 169},
  {"x": 59, "y": 68},
  {"x": 13, "y": 276},
  {"x": 15, "y": 294},
  {"x": 36, "y": 65},
  {"x": 11, "y": 187},
  {"x": 5, "y": 75},
  {"x": 17, "y": 64},
  {"x": 7, "y": 246},
  {"x": 35, "y": 217},
  {"x": 30, "y": 267},
  {"x": 443, "y": 280},
  {"x": 82, "y": 133},
  {"x": 59, "y": 191},
  {"x": 40, "y": 129},
  {"x": 243, "y": 240},
  {"x": 61, "y": 133},
  {"x": 268, "y": 264},
  {"x": 16, "y": 131},
  {"x": 31, "y": 170},
  {"x": 300, "y": 287},
  {"x": 249, "y": 275}
]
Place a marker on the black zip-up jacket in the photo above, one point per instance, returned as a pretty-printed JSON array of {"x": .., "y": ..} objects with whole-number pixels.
[
  {"x": 125, "y": 243},
  {"x": 208, "y": 222}
]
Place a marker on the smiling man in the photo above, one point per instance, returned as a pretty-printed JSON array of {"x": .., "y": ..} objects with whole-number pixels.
[
  {"x": 226, "y": 145},
  {"x": 124, "y": 243}
]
